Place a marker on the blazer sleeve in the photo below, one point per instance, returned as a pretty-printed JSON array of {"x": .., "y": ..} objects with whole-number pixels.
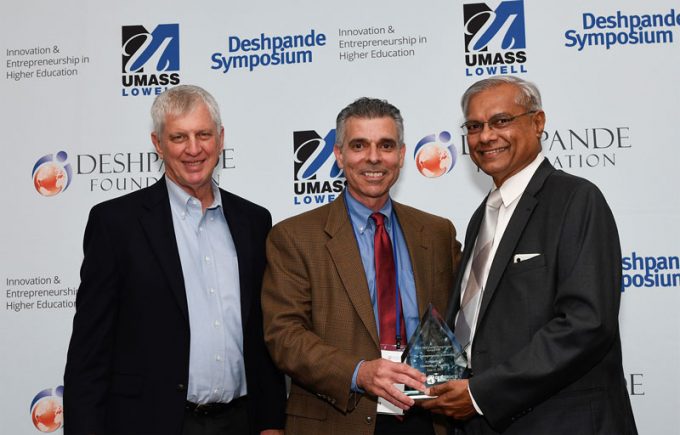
[
  {"x": 288, "y": 328},
  {"x": 268, "y": 386},
  {"x": 583, "y": 324},
  {"x": 88, "y": 363}
]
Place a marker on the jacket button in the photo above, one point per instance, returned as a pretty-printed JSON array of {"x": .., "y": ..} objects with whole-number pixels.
[
  {"x": 181, "y": 388},
  {"x": 369, "y": 420}
]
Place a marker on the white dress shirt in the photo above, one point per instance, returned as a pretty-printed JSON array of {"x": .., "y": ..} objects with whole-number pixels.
[{"x": 511, "y": 190}]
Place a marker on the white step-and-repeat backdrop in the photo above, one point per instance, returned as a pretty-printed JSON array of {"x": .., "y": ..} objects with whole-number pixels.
[{"x": 78, "y": 79}]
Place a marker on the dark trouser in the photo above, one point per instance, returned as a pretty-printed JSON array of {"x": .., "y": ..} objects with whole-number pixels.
[
  {"x": 417, "y": 421},
  {"x": 229, "y": 418}
]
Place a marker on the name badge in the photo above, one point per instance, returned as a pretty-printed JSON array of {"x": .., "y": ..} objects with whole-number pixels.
[{"x": 390, "y": 353}]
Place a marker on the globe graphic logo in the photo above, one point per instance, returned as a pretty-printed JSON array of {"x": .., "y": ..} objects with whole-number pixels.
[
  {"x": 47, "y": 412},
  {"x": 51, "y": 175},
  {"x": 435, "y": 155}
]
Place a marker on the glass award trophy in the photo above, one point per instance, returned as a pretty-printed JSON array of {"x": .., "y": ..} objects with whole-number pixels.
[{"x": 434, "y": 350}]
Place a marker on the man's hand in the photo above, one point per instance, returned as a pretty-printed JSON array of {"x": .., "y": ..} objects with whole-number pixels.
[
  {"x": 272, "y": 432},
  {"x": 453, "y": 400},
  {"x": 378, "y": 377}
]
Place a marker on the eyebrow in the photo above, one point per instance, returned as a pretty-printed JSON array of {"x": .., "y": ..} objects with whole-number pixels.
[
  {"x": 381, "y": 140},
  {"x": 492, "y": 116}
]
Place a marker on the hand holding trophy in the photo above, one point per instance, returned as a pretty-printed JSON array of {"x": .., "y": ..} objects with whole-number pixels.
[{"x": 434, "y": 350}]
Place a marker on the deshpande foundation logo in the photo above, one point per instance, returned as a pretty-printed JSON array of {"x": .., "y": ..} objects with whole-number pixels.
[
  {"x": 104, "y": 172},
  {"x": 150, "y": 59},
  {"x": 47, "y": 410},
  {"x": 596, "y": 146},
  {"x": 317, "y": 177},
  {"x": 51, "y": 174},
  {"x": 495, "y": 39},
  {"x": 435, "y": 155}
]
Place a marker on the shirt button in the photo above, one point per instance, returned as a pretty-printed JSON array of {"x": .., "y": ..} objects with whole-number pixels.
[
  {"x": 211, "y": 290},
  {"x": 217, "y": 323},
  {"x": 218, "y": 358},
  {"x": 200, "y": 228},
  {"x": 216, "y": 390},
  {"x": 369, "y": 420},
  {"x": 207, "y": 259}
]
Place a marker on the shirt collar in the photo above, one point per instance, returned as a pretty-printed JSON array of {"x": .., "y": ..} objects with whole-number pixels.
[
  {"x": 180, "y": 199},
  {"x": 360, "y": 215},
  {"x": 514, "y": 186}
]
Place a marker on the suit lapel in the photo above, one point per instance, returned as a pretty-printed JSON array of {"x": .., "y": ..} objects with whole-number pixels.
[
  {"x": 420, "y": 254},
  {"x": 513, "y": 232},
  {"x": 156, "y": 220},
  {"x": 344, "y": 252},
  {"x": 239, "y": 229}
]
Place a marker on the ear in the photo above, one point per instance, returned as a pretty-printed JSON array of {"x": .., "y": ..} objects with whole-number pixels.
[
  {"x": 221, "y": 139},
  {"x": 402, "y": 153},
  {"x": 539, "y": 123},
  {"x": 157, "y": 144},
  {"x": 338, "y": 156}
]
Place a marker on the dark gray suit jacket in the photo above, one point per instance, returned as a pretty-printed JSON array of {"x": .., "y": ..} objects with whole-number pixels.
[
  {"x": 547, "y": 353},
  {"x": 128, "y": 361}
]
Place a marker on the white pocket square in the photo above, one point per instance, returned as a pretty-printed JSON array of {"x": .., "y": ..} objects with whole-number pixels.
[{"x": 518, "y": 258}]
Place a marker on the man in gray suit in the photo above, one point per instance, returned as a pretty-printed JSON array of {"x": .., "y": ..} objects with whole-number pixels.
[{"x": 537, "y": 303}]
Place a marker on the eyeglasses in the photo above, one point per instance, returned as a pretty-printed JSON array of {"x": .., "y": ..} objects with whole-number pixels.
[{"x": 497, "y": 122}]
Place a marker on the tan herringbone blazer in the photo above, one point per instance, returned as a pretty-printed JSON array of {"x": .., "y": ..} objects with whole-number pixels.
[{"x": 318, "y": 316}]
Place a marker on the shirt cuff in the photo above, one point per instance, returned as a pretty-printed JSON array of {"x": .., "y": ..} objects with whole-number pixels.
[
  {"x": 479, "y": 411},
  {"x": 354, "y": 388}
]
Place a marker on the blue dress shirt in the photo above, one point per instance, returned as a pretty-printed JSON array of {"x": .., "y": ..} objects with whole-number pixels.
[
  {"x": 211, "y": 280},
  {"x": 364, "y": 231}
]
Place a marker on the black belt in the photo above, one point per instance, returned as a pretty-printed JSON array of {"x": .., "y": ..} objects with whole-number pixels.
[{"x": 211, "y": 409}]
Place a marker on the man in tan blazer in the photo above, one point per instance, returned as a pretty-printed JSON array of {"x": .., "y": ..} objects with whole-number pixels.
[{"x": 319, "y": 291}]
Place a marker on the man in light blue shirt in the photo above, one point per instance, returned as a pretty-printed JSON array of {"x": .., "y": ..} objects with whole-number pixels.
[
  {"x": 210, "y": 270},
  {"x": 167, "y": 336}
]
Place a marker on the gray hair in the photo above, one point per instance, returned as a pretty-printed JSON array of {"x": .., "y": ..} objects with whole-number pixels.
[
  {"x": 368, "y": 108},
  {"x": 529, "y": 96},
  {"x": 181, "y": 100}
]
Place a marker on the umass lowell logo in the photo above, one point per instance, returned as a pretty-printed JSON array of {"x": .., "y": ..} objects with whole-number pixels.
[
  {"x": 150, "y": 59},
  {"x": 317, "y": 177},
  {"x": 495, "y": 39}
]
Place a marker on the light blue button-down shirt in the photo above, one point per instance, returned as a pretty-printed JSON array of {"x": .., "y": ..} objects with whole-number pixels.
[
  {"x": 210, "y": 270},
  {"x": 364, "y": 231}
]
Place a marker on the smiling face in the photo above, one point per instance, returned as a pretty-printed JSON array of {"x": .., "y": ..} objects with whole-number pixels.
[
  {"x": 190, "y": 146},
  {"x": 504, "y": 152},
  {"x": 371, "y": 156}
]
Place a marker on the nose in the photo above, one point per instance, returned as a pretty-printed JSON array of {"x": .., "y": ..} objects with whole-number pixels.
[
  {"x": 192, "y": 146},
  {"x": 487, "y": 134},
  {"x": 373, "y": 155}
]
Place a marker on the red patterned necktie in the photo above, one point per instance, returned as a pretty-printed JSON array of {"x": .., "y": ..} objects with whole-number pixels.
[{"x": 385, "y": 280}]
